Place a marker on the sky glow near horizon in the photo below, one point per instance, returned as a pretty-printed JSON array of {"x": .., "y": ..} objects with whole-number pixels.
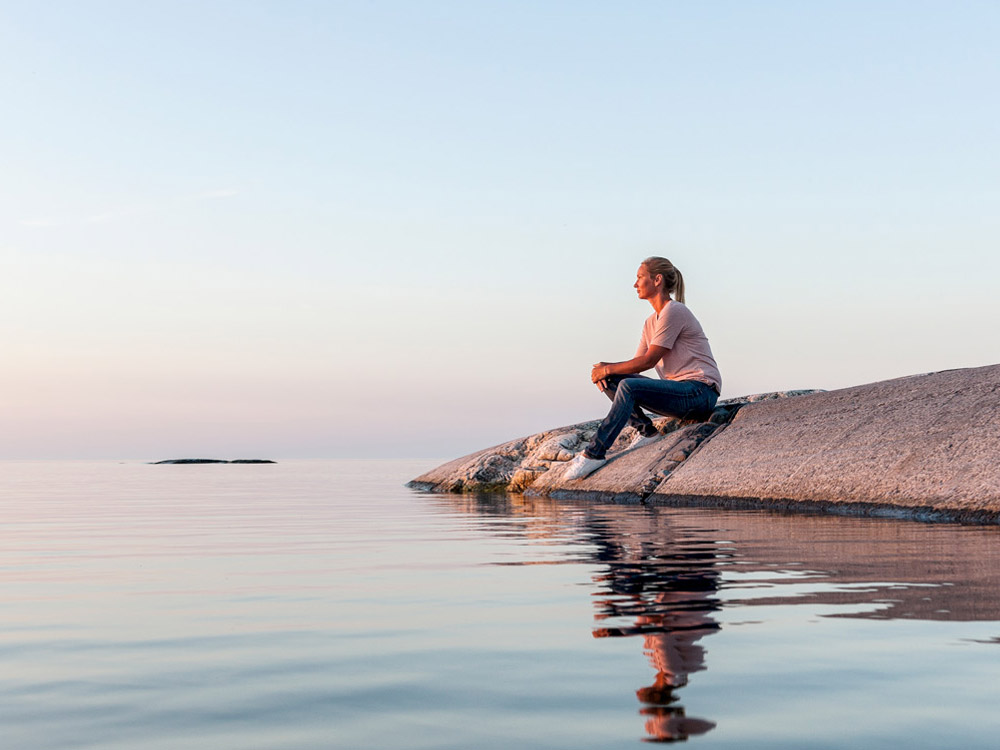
[{"x": 244, "y": 229}]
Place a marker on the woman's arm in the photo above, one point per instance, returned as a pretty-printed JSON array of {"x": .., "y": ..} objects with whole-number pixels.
[{"x": 637, "y": 364}]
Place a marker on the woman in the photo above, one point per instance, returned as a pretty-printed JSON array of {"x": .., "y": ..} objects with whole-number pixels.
[{"x": 672, "y": 342}]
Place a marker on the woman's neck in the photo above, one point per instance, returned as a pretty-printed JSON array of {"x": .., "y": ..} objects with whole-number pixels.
[{"x": 659, "y": 302}]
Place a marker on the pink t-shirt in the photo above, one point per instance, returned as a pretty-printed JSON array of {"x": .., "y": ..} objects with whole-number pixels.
[{"x": 688, "y": 355}]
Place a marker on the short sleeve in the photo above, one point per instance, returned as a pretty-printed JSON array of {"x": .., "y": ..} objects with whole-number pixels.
[{"x": 667, "y": 328}]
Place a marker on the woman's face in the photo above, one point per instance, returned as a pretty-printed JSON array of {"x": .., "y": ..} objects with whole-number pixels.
[{"x": 645, "y": 285}]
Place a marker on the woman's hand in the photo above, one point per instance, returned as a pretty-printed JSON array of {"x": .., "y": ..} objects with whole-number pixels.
[{"x": 599, "y": 373}]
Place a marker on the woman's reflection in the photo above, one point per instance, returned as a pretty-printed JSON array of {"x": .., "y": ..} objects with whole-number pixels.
[{"x": 663, "y": 589}]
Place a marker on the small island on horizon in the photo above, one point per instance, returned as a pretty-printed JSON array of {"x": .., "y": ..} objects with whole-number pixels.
[{"x": 214, "y": 461}]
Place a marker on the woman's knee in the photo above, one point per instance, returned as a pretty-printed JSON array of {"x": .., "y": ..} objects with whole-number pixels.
[
  {"x": 632, "y": 385},
  {"x": 627, "y": 388}
]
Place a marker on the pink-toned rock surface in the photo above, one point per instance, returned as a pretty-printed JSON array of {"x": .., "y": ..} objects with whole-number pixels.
[
  {"x": 524, "y": 465},
  {"x": 926, "y": 444}
]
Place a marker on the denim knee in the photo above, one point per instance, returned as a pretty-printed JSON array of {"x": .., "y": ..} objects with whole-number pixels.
[{"x": 624, "y": 387}]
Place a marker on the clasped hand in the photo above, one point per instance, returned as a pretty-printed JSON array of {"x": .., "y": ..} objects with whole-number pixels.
[{"x": 599, "y": 374}]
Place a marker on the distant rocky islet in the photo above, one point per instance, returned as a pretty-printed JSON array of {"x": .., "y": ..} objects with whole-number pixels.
[{"x": 215, "y": 461}]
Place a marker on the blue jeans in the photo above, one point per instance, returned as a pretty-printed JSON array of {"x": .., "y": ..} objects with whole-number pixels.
[{"x": 684, "y": 399}]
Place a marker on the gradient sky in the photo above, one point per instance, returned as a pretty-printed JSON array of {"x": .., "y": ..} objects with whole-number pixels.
[{"x": 388, "y": 229}]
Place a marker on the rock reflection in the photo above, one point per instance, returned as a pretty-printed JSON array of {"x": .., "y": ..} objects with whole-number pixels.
[{"x": 666, "y": 575}]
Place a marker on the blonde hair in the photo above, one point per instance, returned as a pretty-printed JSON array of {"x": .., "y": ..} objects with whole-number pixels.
[{"x": 672, "y": 279}]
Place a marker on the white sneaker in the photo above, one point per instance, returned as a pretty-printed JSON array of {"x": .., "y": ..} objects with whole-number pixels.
[
  {"x": 583, "y": 466},
  {"x": 640, "y": 440}
]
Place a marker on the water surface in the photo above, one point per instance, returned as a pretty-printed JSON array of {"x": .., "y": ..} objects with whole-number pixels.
[{"x": 320, "y": 604}]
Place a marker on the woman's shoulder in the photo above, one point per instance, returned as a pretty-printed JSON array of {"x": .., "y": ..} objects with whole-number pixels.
[
  {"x": 675, "y": 310},
  {"x": 676, "y": 316}
]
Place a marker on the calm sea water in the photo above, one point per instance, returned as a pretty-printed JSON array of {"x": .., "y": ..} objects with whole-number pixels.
[{"x": 320, "y": 604}]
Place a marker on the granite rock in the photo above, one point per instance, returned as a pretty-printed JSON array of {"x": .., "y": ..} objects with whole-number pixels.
[
  {"x": 927, "y": 445},
  {"x": 518, "y": 465},
  {"x": 924, "y": 446}
]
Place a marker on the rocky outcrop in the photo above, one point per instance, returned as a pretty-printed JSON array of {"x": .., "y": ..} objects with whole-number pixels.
[
  {"x": 925, "y": 446},
  {"x": 525, "y": 463}
]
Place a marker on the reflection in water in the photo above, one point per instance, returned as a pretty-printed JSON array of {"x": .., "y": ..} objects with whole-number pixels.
[
  {"x": 663, "y": 588},
  {"x": 666, "y": 574}
]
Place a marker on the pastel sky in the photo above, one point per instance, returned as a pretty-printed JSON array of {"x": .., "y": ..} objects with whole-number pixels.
[{"x": 407, "y": 229}]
